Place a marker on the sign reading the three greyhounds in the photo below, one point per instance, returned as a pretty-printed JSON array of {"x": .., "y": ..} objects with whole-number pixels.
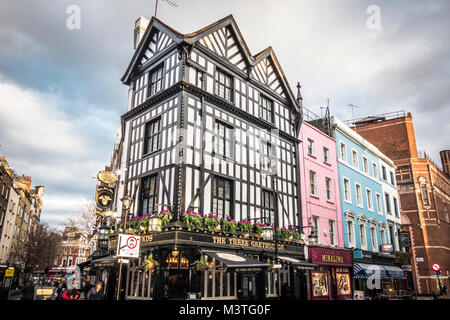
[{"x": 128, "y": 246}]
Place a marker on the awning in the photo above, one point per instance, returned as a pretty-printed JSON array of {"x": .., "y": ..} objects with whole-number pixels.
[
  {"x": 105, "y": 261},
  {"x": 363, "y": 270},
  {"x": 395, "y": 272},
  {"x": 235, "y": 260},
  {"x": 304, "y": 265}
]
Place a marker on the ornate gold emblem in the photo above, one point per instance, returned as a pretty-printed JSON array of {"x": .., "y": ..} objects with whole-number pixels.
[{"x": 107, "y": 177}]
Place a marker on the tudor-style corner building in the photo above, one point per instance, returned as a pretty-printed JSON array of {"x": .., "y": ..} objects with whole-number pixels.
[{"x": 209, "y": 140}]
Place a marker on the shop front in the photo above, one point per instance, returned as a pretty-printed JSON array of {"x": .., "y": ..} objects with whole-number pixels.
[
  {"x": 331, "y": 280},
  {"x": 177, "y": 264},
  {"x": 377, "y": 277}
]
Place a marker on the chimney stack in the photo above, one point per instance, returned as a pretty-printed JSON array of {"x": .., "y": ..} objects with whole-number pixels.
[
  {"x": 445, "y": 159},
  {"x": 139, "y": 29}
]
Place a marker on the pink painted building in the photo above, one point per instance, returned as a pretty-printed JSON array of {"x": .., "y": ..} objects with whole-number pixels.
[{"x": 321, "y": 209}]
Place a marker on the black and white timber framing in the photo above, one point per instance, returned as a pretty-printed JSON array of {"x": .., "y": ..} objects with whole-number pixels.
[{"x": 188, "y": 109}]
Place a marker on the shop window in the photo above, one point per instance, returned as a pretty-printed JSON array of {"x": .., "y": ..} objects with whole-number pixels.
[
  {"x": 139, "y": 282},
  {"x": 218, "y": 283}
]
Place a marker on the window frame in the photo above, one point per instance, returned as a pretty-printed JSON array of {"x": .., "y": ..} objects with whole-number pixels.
[
  {"x": 359, "y": 195},
  {"x": 313, "y": 183},
  {"x": 150, "y": 124},
  {"x": 329, "y": 191},
  {"x": 226, "y": 142},
  {"x": 217, "y": 84},
  {"x": 154, "y": 82},
  {"x": 265, "y": 106},
  {"x": 311, "y": 147},
  {"x": 215, "y": 189},
  {"x": 343, "y": 147},
  {"x": 153, "y": 196}
]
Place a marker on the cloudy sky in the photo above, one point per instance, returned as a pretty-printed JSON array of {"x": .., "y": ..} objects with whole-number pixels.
[{"x": 61, "y": 97}]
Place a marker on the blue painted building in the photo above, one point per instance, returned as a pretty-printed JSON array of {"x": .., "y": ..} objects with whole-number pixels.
[{"x": 362, "y": 172}]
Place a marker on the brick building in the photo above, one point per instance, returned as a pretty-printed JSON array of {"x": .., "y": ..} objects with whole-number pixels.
[
  {"x": 424, "y": 190},
  {"x": 74, "y": 248}
]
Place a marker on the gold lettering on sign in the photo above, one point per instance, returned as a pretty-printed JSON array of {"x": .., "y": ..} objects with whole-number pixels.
[
  {"x": 246, "y": 243},
  {"x": 332, "y": 258},
  {"x": 145, "y": 239}
]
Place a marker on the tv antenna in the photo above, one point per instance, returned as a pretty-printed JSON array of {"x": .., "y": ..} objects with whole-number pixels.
[
  {"x": 352, "y": 106},
  {"x": 169, "y": 2}
]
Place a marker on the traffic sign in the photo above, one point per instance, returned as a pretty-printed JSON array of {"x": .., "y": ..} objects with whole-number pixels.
[
  {"x": 128, "y": 246},
  {"x": 436, "y": 267}
]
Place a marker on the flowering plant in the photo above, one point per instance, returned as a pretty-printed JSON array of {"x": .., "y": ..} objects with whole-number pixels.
[
  {"x": 193, "y": 220},
  {"x": 258, "y": 228},
  {"x": 211, "y": 222},
  {"x": 230, "y": 225},
  {"x": 166, "y": 216},
  {"x": 245, "y": 226}
]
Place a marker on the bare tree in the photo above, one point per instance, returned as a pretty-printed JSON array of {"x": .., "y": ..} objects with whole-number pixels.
[
  {"x": 85, "y": 221},
  {"x": 37, "y": 249}
]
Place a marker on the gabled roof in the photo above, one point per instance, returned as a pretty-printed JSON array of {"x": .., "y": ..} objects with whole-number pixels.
[
  {"x": 195, "y": 37},
  {"x": 154, "y": 23}
]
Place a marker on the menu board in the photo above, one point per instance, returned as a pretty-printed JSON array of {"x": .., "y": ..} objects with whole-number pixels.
[{"x": 319, "y": 284}]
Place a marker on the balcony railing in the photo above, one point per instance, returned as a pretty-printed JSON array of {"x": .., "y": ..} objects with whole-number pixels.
[
  {"x": 423, "y": 155},
  {"x": 375, "y": 119}
]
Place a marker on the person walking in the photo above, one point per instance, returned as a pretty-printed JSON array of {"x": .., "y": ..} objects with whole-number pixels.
[
  {"x": 72, "y": 294},
  {"x": 28, "y": 291},
  {"x": 95, "y": 293}
]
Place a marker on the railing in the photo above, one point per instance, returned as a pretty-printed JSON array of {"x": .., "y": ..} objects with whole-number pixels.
[
  {"x": 423, "y": 155},
  {"x": 308, "y": 115},
  {"x": 376, "y": 118}
]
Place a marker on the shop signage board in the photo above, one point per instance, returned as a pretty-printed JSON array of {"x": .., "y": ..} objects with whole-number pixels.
[
  {"x": 104, "y": 197},
  {"x": 128, "y": 246},
  {"x": 330, "y": 257},
  {"x": 9, "y": 273},
  {"x": 419, "y": 259}
]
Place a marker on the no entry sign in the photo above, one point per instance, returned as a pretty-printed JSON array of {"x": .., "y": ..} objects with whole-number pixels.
[
  {"x": 436, "y": 267},
  {"x": 128, "y": 246}
]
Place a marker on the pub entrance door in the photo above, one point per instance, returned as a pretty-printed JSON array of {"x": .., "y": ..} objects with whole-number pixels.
[
  {"x": 177, "y": 283},
  {"x": 300, "y": 289},
  {"x": 250, "y": 285}
]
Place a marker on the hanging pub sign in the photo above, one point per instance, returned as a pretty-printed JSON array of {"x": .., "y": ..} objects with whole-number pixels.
[
  {"x": 104, "y": 197},
  {"x": 107, "y": 177}
]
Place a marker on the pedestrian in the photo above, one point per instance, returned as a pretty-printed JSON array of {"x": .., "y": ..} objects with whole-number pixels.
[
  {"x": 28, "y": 291},
  {"x": 57, "y": 294},
  {"x": 443, "y": 290},
  {"x": 95, "y": 293},
  {"x": 72, "y": 294}
]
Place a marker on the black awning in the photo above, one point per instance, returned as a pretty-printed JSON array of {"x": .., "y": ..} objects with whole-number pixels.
[
  {"x": 235, "y": 260},
  {"x": 300, "y": 264}
]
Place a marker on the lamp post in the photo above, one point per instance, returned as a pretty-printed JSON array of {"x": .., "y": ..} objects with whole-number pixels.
[
  {"x": 103, "y": 237},
  {"x": 127, "y": 202}
]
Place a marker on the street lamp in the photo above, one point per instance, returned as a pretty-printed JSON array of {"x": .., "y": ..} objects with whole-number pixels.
[
  {"x": 127, "y": 202},
  {"x": 103, "y": 236}
]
